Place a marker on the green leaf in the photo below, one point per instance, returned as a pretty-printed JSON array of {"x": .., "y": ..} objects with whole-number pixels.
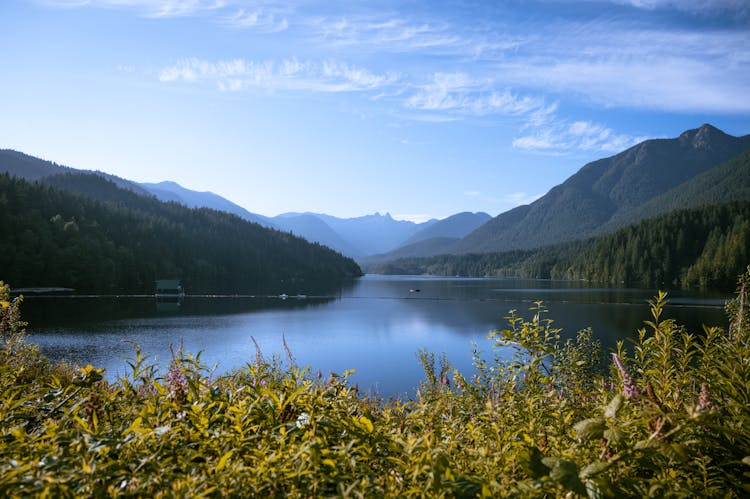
[
  {"x": 613, "y": 407},
  {"x": 224, "y": 460},
  {"x": 565, "y": 472},
  {"x": 589, "y": 429},
  {"x": 530, "y": 460},
  {"x": 613, "y": 435},
  {"x": 594, "y": 469}
]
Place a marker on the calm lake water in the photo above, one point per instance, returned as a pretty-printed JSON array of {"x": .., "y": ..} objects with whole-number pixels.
[{"x": 376, "y": 325}]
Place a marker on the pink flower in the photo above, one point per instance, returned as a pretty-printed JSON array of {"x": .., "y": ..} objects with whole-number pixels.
[{"x": 629, "y": 388}]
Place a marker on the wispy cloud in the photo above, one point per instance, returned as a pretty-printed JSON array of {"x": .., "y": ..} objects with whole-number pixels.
[
  {"x": 289, "y": 74},
  {"x": 615, "y": 65},
  {"x": 560, "y": 136},
  {"x": 149, "y": 8},
  {"x": 393, "y": 34},
  {"x": 437, "y": 68},
  {"x": 459, "y": 93},
  {"x": 260, "y": 18}
]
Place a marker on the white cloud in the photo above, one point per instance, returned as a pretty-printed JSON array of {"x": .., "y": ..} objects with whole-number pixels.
[
  {"x": 289, "y": 74},
  {"x": 458, "y": 93},
  {"x": 615, "y": 65},
  {"x": 260, "y": 18},
  {"x": 149, "y": 8},
  {"x": 560, "y": 136},
  {"x": 472, "y": 193},
  {"x": 397, "y": 34},
  {"x": 621, "y": 62}
]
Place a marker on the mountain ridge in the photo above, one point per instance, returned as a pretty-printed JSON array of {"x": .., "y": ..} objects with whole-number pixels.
[{"x": 603, "y": 189}]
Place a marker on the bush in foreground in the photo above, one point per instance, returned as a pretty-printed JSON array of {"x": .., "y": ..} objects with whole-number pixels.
[{"x": 670, "y": 417}]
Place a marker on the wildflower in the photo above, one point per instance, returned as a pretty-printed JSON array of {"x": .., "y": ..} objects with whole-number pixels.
[
  {"x": 177, "y": 383},
  {"x": 704, "y": 402},
  {"x": 629, "y": 388}
]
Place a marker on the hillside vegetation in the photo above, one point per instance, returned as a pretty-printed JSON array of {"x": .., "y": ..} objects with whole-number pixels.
[
  {"x": 603, "y": 195},
  {"x": 703, "y": 247},
  {"x": 668, "y": 417},
  {"x": 80, "y": 231}
]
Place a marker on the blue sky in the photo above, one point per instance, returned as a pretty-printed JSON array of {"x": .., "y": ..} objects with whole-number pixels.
[{"x": 418, "y": 108}]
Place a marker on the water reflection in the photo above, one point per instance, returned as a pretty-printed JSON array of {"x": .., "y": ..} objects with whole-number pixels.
[{"x": 375, "y": 326}]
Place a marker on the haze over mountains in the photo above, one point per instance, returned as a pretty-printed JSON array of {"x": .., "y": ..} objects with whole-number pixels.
[
  {"x": 650, "y": 178},
  {"x": 355, "y": 237}
]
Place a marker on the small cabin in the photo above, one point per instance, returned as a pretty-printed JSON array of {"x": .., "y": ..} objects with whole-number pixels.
[{"x": 169, "y": 290}]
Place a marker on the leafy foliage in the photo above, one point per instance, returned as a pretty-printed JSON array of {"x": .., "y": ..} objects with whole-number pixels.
[
  {"x": 107, "y": 239},
  {"x": 670, "y": 417}
]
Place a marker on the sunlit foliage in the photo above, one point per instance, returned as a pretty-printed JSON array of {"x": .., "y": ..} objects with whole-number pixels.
[{"x": 668, "y": 415}]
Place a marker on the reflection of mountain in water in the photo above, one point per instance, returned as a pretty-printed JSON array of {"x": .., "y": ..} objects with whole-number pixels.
[{"x": 467, "y": 306}]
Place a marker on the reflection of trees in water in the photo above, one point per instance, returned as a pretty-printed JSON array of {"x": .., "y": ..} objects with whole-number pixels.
[{"x": 57, "y": 311}]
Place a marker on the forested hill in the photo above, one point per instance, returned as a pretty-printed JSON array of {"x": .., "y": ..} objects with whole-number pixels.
[
  {"x": 702, "y": 247},
  {"x": 105, "y": 239},
  {"x": 604, "y": 192},
  {"x": 22, "y": 165},
  {"x": 721, "y": 184}
]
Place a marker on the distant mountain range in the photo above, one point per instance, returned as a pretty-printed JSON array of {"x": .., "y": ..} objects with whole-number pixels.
[
  {"x": 354, "y": 237},
  {"x": 648, "y": 179}
]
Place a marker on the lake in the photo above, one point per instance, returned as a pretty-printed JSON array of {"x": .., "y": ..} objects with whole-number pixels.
[{"x": 375, "y": 325}]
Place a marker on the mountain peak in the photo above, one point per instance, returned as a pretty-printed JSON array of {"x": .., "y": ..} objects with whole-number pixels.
[{"x": 703, "y": 137}]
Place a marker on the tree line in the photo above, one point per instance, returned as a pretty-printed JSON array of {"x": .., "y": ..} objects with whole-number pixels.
[
  {"x": 705, "y": 247},
  {"x": 83, "y": 232}
]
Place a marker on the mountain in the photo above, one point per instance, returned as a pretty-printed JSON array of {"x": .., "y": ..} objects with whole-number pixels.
[
  {"x": 356, "y": 237},
  {"x": 80, "y": 230},
  {"x": 421, "y": 249},
  {"x": 371, "y": 234},
  {"x": 433, "y": 239},
  {"x": 22, "y": 165},
  {"x": 605, "y": 191},
  {"x": 703, "y": 247},
  {"x": 312, "y": 228},
  {"x": 455, "y": 226},
  {"x": 172, "y": 191},
  {"x": 724, "y": 183}
]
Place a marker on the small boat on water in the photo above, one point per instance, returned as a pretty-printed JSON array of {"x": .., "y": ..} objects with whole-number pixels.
[{"x": 415, "y": 290}]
